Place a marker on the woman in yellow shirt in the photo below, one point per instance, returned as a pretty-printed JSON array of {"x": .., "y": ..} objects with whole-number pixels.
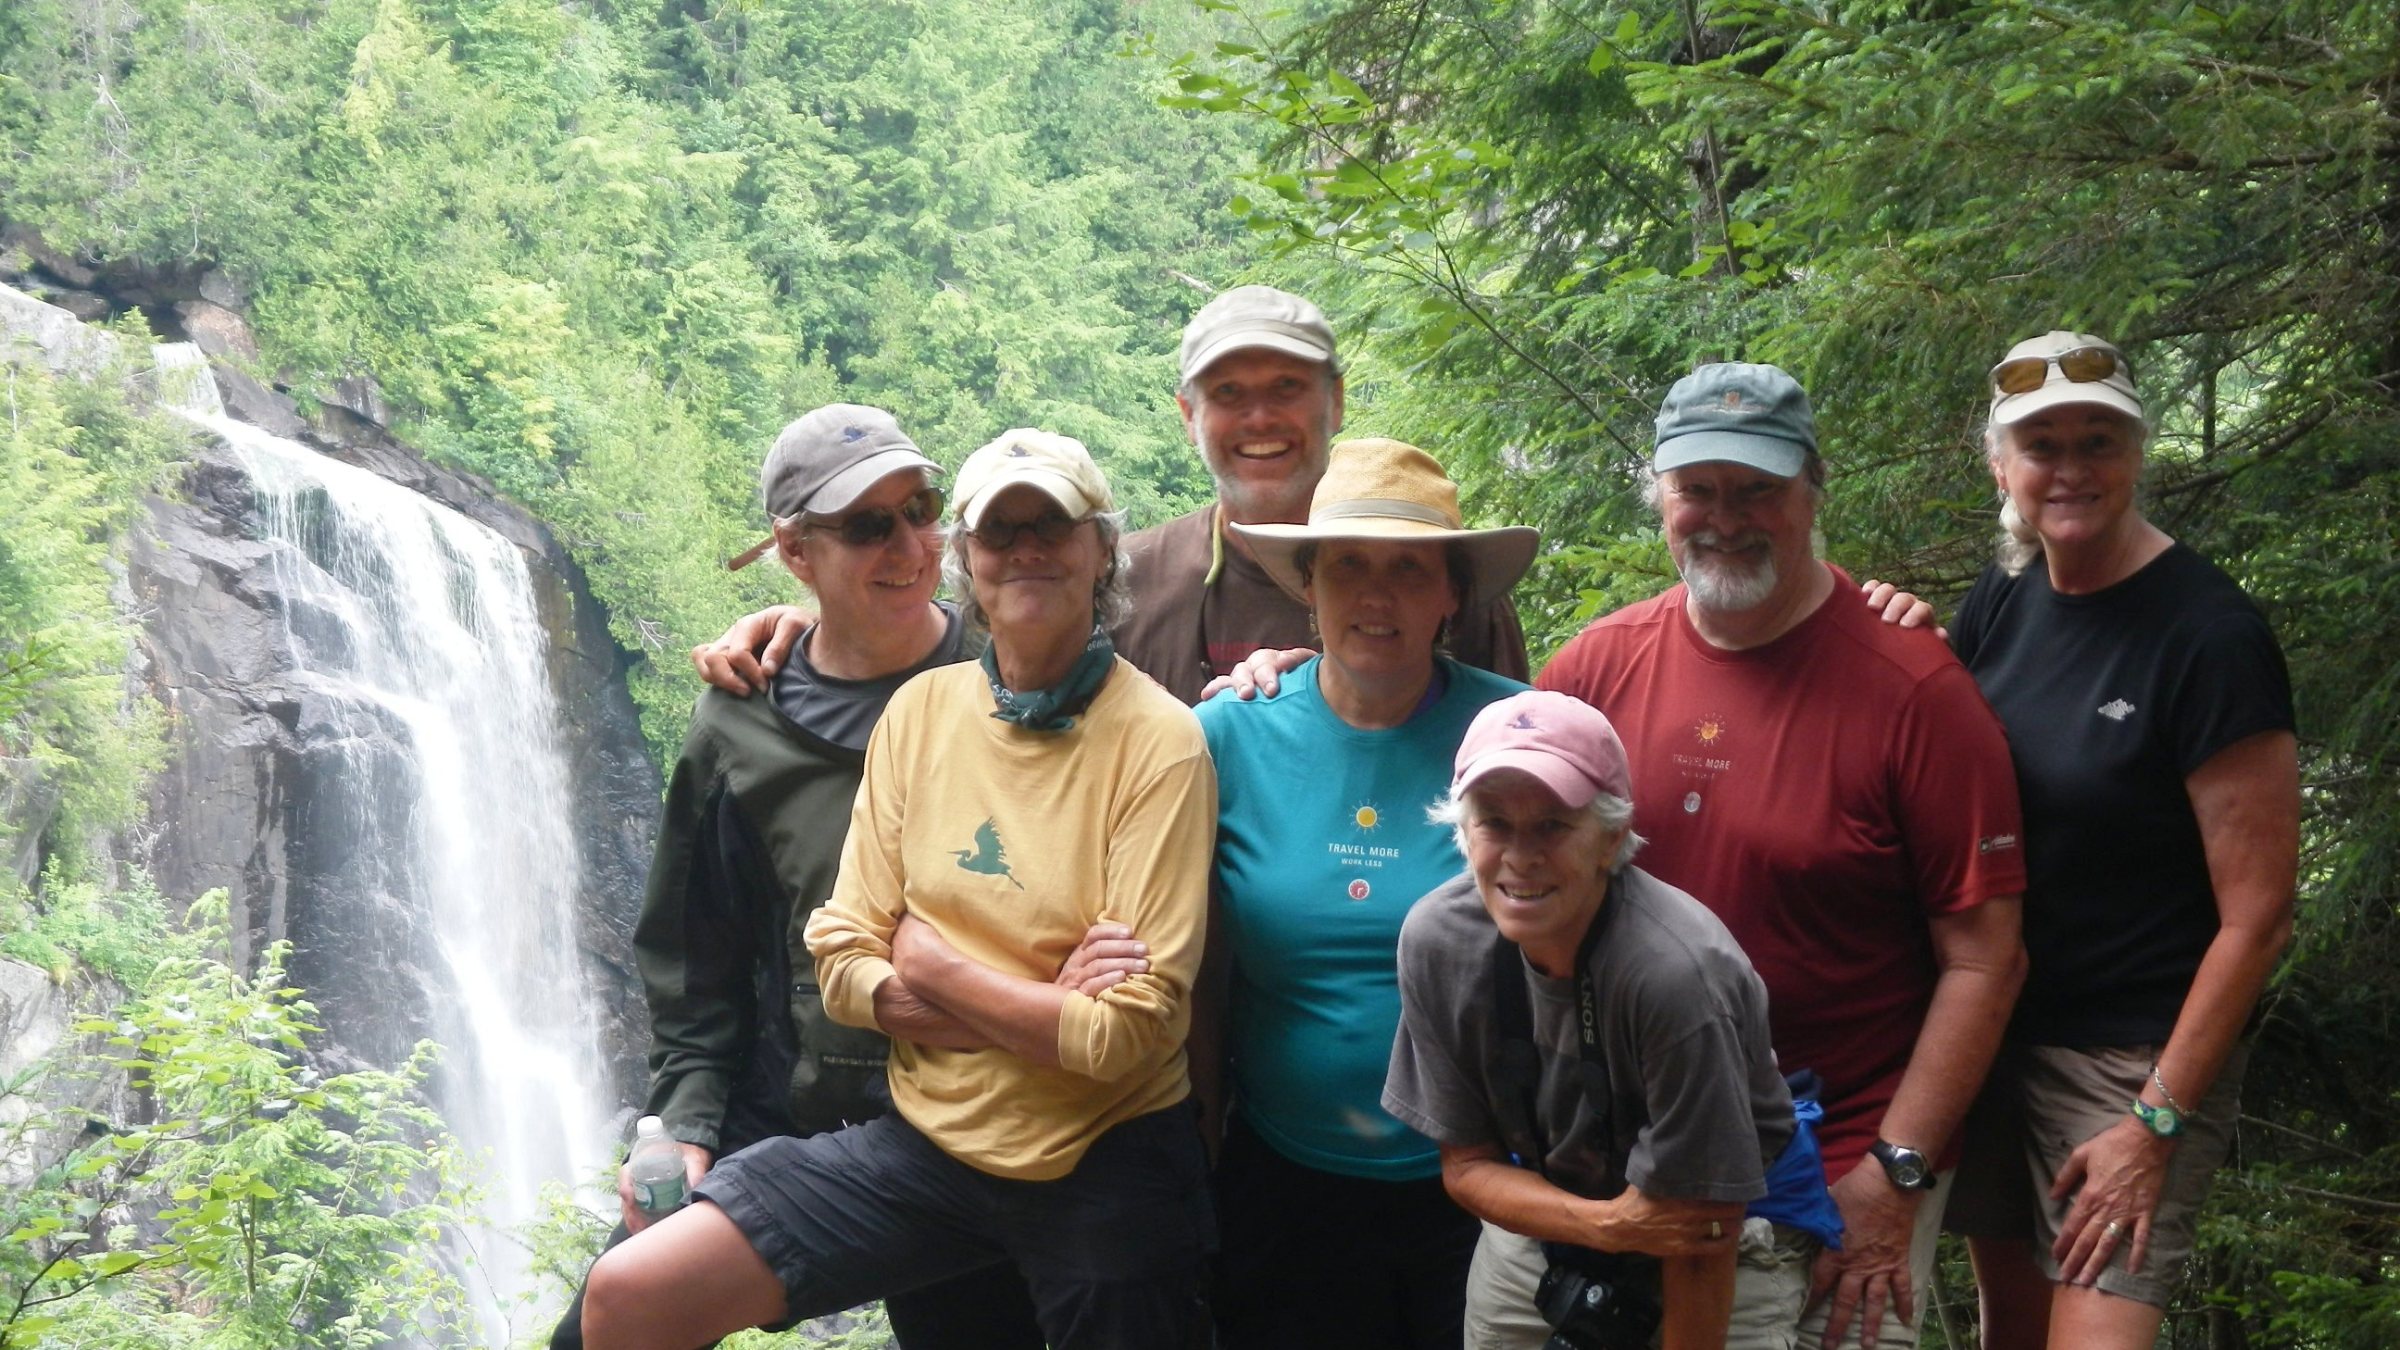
[{"x": 1008, "y": 806}]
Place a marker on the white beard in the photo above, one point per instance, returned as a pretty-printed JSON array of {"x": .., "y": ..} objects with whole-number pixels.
[{"x": 1725, "y": 582}]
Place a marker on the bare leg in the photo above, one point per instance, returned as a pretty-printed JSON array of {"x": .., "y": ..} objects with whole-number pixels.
[
  {"x": 2014, "y": 1295},
  {"x": 689, "y": 1279},
  {"x": 2082, "y": 1315}
]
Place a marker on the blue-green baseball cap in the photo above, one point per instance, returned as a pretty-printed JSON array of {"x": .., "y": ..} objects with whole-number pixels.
[{"x": 1734, "y": 412}]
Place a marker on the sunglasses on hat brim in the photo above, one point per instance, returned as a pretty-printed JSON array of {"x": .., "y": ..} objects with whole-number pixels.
[{"x": 2082, "y": 365}]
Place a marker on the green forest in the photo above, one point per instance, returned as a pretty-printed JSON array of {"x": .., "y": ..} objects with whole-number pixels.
[{"x": 596, "y": 253}]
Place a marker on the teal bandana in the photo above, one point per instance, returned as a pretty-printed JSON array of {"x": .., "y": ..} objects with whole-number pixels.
[{"x": 1055, "y": 708}]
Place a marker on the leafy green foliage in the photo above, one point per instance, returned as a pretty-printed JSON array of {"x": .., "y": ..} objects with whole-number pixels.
[
  {"x": 75, "y": 456},
  {"x": 226, "y": 1194},
  {"x": 80, "y": 926}
]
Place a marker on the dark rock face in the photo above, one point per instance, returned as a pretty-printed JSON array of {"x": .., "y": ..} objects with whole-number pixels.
[
  {"x": 28, "y": 803},
  {"x": 218, "y": 331},
  {"x": 37, "y": 1018},
  {"x": 252, "y": 802}
]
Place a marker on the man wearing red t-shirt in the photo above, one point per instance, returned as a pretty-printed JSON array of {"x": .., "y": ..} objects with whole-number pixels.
[{"x": 1836, "y": 790}]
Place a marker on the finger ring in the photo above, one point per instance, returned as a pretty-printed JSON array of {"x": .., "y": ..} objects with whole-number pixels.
[
  {"x": 1715, "y": 1230},
  {"x": 2114, "y": 1230}
]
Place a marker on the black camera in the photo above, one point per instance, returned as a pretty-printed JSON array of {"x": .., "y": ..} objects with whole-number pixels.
[{"x": 1598, "y": 1300}]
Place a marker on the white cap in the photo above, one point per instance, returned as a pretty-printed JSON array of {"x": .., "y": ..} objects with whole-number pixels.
[{"x": 2115, "y": 392}]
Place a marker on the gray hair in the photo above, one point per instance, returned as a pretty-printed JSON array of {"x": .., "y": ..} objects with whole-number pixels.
[
  {"x": 1112, "y": 599},
  {"x": 2019, "y": 543},
  {"x": 1612, "y": 811}
]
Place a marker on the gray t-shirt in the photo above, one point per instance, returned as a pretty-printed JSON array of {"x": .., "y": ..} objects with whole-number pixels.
[
  {"x": 1684, "y": 1099},
  {"x": 845, "y": 711}
]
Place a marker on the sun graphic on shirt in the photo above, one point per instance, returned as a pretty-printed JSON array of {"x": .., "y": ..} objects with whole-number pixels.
[
  {"x": 1709, "y": 730},
  {"x": 1366, "y": 817}
]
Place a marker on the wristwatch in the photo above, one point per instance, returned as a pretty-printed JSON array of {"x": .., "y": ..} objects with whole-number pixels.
[
  {"x": 1905, "y": 1166},
  {"x": 2164, "y": 1121}
]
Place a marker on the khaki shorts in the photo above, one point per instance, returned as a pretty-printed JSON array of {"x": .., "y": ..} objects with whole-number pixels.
[
  {"x": 1770, "y": 1288},
  {"x": 2039, "y": 1104}
]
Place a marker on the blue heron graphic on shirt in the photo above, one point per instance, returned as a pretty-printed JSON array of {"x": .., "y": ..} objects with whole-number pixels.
[{"x": 987, "y": 856}]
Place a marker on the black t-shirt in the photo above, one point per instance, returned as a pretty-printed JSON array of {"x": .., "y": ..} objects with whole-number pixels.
[
  {"x": 845, "y": 711},
  {"x": 2111, "y": 701}
]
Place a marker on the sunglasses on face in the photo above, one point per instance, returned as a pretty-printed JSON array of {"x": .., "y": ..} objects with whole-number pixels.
[
  {"x": 862, "y": 529},
  {"x": 1051, "y": 527},
  {"x": 2083, "y": 365}
]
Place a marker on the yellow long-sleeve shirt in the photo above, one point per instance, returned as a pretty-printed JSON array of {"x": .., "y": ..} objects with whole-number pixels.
[{"x": 1011, "y": 843}]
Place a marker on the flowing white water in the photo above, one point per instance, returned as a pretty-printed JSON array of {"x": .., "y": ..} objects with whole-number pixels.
[{"x": 444, "y": 828}]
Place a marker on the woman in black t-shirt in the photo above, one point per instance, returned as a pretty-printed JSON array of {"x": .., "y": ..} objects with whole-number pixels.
[{"x": 2150, "y": 717}]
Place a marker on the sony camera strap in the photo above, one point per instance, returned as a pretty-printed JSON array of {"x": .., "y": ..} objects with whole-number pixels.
[{"x": 1520, "y": 1057}]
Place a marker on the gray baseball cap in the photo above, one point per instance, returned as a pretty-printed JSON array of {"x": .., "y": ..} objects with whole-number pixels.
[
  {"x": 1736, "y": 413},
  {"x": 1255, "y": 316},
  {"x": 825, "y": 459}
]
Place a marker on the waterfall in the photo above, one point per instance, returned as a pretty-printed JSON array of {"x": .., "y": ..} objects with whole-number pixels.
[
  {"x": 433, "y": 836},
  {"x": 182, "y": 380}
]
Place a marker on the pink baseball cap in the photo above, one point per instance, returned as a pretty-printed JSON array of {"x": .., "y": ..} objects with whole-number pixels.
[{"x": 1562, "y": 741}]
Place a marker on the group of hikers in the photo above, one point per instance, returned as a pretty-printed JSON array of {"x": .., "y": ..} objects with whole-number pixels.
[{"x": 1678, "y": 999}]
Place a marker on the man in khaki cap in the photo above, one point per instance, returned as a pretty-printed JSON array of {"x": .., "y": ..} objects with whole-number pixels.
[{"x": 1261, "y": 396}]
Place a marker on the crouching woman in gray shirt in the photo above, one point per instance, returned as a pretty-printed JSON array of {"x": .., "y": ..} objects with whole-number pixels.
[{"x": 1589, "y": 1047}]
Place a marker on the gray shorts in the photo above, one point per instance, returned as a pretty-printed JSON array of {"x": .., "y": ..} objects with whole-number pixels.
[
  {"x": 1114, "y": 1253},
  {"x": 2040, "y": 1102}
]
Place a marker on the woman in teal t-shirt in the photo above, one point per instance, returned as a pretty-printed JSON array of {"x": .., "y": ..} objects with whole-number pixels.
[{"x": 1335, "y": 1228}]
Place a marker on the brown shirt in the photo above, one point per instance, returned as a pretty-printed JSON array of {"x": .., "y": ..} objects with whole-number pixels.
[{"x": 1199, "y": 608}]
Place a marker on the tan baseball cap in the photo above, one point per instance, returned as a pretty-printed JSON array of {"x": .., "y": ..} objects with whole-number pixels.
[
  {"x": 2059, "y": 368},
  {"x": 1255, "y": 316},
  {"x": 1058, "y": 465}
]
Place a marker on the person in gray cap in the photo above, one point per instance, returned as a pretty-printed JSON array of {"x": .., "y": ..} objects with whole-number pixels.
[
  {"x": 751, "y": 835},
  {"x": 1835, "y": 790},
  {"x": 1261, "y": 397}
]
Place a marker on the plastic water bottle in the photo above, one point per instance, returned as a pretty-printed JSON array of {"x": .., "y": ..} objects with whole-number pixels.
[{"x": 656, "y": 1164}]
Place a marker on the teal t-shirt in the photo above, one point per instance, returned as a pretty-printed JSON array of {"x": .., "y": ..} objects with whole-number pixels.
[{"x": 1322, "y": 848}]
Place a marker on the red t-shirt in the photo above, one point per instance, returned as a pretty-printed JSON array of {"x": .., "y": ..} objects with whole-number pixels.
[{"x": 1824, "y": 794}]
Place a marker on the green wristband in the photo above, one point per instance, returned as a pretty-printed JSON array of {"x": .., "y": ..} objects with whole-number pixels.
[{"x": 2164, "y": 1121}]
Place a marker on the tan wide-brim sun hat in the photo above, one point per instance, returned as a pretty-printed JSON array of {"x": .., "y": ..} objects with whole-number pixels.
[{"x": 1383, "y": 489}]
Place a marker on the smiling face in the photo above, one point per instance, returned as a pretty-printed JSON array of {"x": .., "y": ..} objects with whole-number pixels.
[
  {"x": 1379, "y": 604},
  {"x": 2070, "y": 471},
  {"x": 1740, "y": 536},
  {"x": 859, "y": 586},
  {"x": 1262, "y": 420},
  {"x": 1540, "y": 865},
  {"x": 1033, "y": 589}
]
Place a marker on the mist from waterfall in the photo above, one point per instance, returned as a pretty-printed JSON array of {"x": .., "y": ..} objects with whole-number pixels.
[{"x": 436, "y": 835}]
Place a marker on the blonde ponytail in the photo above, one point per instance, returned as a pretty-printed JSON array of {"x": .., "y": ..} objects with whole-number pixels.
[{"x": 2019, "y": 545}]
